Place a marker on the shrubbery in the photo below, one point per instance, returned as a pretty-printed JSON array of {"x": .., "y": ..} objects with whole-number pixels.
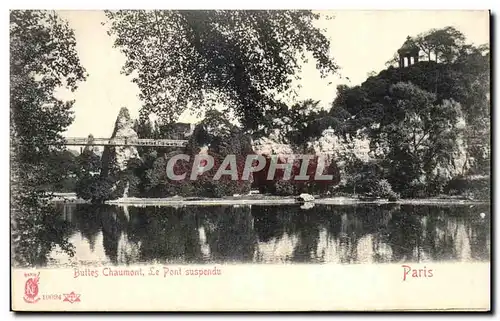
[
  {"x": 285, "y": 188},
  {"x": 477, "y": 187},
  {"x": 384, "y": 189},
  {"x": 292, "y": 186},
  {"x": 367, "y": 179},
  {"x": 94, "y": 188}
]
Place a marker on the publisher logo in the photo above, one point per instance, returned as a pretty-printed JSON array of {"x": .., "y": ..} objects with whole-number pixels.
[
  {"x": 31, "y": 288},
  {"x": 71, "y": 297}
]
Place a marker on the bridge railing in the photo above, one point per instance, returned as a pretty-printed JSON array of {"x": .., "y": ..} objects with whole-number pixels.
[{"x": 125, "y": 142}]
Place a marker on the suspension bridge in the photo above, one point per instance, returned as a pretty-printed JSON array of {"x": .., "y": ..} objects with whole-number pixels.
[{"x": 84, "y": 141}]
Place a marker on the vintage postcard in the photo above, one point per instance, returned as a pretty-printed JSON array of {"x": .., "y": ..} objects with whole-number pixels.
[{"x": 237, "y": 160}]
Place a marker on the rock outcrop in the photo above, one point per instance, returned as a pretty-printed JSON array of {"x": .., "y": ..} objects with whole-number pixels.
[
  {"x": 90, "y": 147},
  {"x": 337, "y": 149},
  {"x": 272, "y": 145},
  {"x": 124, "y": 131},
  {"x": 115, "y": 158},
  {"x": 459, "y": 164}
]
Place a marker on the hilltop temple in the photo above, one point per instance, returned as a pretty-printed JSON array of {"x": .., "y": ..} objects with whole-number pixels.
[{"x": 408, "y": 53}]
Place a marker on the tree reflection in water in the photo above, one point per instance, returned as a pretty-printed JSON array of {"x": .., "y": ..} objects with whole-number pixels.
[
  {"x": 264, "y": 234},
  {"x": 38, "y": 229}
]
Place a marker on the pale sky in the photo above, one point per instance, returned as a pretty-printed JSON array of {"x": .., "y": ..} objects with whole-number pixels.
[{"x": 361, "y": 42}]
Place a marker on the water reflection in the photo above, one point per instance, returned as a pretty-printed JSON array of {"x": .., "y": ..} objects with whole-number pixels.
[{"x": 273, "y": 234}]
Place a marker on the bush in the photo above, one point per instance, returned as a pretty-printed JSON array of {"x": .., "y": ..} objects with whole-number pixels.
[
  {"x": 393, "y": 196},
  {"x": 416, "y": 190},
  {"x": 94, "y": 188},
  {"x": 121, "y": 184},
  {"x": 65, "y": 185},
  {"x": 285, "y": 188},
  {"x": 473, "y": 187},
  {"x": 362, "y": 178},
  {"x": 382, "y": 188},
  {"x": 185, "y": 190},
  {"x": 436, "y": 185}
]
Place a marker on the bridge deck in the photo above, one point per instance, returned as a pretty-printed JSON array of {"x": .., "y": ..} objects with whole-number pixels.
[{"x": 82, "y": 141}]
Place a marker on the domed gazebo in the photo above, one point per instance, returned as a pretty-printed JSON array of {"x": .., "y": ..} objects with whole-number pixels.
[{"x": 409, "y": 50}]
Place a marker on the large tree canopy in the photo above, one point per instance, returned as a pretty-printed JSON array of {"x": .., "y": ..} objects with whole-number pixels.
[
  {"x": 43, "y": 58},
  {"x": 445, "y": 43},
  {"x": 242, "y": 59},
  {"x": 419, "y": 134}
]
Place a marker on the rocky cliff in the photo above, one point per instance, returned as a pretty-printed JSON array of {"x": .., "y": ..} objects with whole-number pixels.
[
  {"x": 272, "y": 145},
  {"x": 115, "y": 158},
  {"x": 338, "y": 149},
  {"x": 330, "y": 146},
  {"x": 90, "y": 148}
]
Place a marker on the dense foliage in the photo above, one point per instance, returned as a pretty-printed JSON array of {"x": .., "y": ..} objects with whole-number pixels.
[
  {"x": 43, "y": 59},
  {"x": 200, "y": 59},
  {"x": 428, "y": 122},
  {"x": 219, "y": 138}
]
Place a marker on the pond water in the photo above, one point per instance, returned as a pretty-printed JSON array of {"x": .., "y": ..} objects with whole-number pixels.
[{"x": 103, "y": 235}]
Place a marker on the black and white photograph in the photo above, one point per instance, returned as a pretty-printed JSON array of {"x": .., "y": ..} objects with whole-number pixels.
[{"x": 186, "y": 153}]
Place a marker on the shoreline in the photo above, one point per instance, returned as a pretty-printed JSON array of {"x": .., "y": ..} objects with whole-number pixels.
[{"x": 70, "y": 198}]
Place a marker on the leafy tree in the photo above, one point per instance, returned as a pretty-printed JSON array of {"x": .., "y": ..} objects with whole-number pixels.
[
  {"x": 195, "y": 59},
  {"x": 297, "y": 124},
  {"x": 213, "y": 130},
  {"x": 427, "y": 43},
  {"x": 301, "y": 115},
  {"x": 94, "y": 188},
  {"x": 222, "y": 139},
  {"x": 444, "y": 43},
  {"x": 420, "y": 134},
  {"x": 393, "y": 62},
  {"x": 61, "y": 169},
  {"x": 43, "y": 58},
  {"x": 156, "y": 178},
  {"x": 88, "y": 171},
  {"x": 88, "y": 162},
  {"x": 144, "y": 128}
]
